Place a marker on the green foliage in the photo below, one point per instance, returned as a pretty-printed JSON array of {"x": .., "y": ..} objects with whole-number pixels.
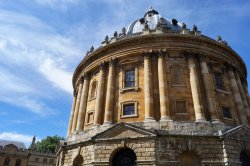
[{"x": 47, "y": 144}]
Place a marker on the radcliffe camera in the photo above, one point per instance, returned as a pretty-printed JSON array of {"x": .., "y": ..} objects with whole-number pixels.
[{"x": 161, "y": 88}]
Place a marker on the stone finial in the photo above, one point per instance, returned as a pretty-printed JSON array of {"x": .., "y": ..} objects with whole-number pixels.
[
  {"x": 115, "y": 34},
  {"x": 106, "y": 38},
  {"x": 146, "y": 25},
  {"x": 195, "y": 28},
  {"x": 91, "y": 49},
  {"x": 174, "y": 21},
  {"x": 123, "y": 30},
  {"x": 219, "y": 39},
  {"x": 184, "y": 26}
]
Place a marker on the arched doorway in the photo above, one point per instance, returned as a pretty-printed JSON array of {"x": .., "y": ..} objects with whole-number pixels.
[
  {"x": 190, "y": 158},
  {"x": 78, "y": 161},
  {"x": 245, "y": 158},
  {"x": 124, "y": 157}
]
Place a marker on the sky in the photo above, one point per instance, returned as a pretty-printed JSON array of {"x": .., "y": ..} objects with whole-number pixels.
[{"x": 43, "y": 41}]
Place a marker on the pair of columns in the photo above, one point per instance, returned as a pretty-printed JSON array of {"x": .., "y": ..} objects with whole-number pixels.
[
  {"x": 79, "y": 105},
  {"x": 163, "y": 88},
  {"x": 240, "y": 95},
  {"x": 78, "y": 110}
]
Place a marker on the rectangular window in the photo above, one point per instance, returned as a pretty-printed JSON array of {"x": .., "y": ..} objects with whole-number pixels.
[
  {"x": 226, "y": 112},
  {"x": 129, "y": 109},
  {"x": 181, "y": 107},
  {"x": 129, "y": 78},
  {"x": 219, "y": 81},
  {"x": 90, "y": 117}
]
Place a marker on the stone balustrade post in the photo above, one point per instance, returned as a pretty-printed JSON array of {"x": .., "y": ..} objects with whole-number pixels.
[
  {"x": 242, "y": 94},
  {"x": 108, "y": 116},
  {"x": 236, "y": 95},
  {"x": 207, "y": 81},
  {"x": 198, "y": 108},
  {"x": 72, "y": 114},
  {"x": 100, "y": 94},
  {"x": 163, "y": 87},
  {"x": 148, "y": 94},
  {"x": 83, "y": 104},
  {"x": 79, "y": 94}
]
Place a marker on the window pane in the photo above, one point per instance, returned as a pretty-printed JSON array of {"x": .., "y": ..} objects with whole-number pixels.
[
  {"x": 130, "y": 78},
  {"x": 129, "y": 109},
  {"x": 226, "y": 112},
  {"x": 218, "y": 81}
]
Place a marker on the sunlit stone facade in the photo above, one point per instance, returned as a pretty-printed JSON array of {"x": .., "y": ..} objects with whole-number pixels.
[{"x": 159, "y": 94}]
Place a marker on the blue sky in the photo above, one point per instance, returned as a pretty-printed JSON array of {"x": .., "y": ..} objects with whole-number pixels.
[{"x": 42, "y": 42}]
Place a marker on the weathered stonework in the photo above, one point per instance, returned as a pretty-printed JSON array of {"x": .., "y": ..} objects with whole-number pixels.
[{"x": 189, "y": 98}]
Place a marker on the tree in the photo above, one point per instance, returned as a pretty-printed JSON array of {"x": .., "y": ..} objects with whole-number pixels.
[{"x": 47, "y": 144}]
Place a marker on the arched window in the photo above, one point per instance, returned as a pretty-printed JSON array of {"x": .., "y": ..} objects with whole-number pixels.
[
  {"x": 177, "y": 75},
  {"x": 18, "y": 162},
  {"x": 124, "y": 157},
  {"x": 190, "y": 159},
  {"x": 245, "y": 158},
  {"x": 93, "y": 90},
  {"x": 78, "y": 161},
  {"x": 6, "y": 162}
]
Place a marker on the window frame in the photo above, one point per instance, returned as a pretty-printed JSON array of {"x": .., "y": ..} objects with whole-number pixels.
[
  {"x": 91, "y": 97},
  {"x": 222, "y": 112},
  {"x": 125, "y": 68},
  {"x": 87, "y": 122},
  {"x": 186, "y": 105},
  {"x": 222, "y": 80},
  {"x": 129, "y": 103}
]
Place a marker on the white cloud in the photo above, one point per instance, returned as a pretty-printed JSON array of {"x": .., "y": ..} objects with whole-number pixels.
[
  {"x": 57, "y": 4},
  {"x": 13, "y": 136},
  {"x": 57, "y": 76}
]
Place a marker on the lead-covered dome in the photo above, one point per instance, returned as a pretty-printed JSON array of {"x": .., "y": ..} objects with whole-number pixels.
[{"x": 151, "y": 20}]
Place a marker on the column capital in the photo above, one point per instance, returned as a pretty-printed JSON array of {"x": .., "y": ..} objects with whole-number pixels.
[
  {"x": 162, "y": 53},
  {"x": 112, "y": 62},
  {"x": 86, "y": 75},
  {"x": 102, "y": 65}
]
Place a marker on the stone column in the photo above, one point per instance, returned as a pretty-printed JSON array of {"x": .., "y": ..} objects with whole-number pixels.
[
  {"x": 77, "y": 106},
  {"x": 148, "y": 95},
  {"x": 163, "y": 87},
  {"x": 83, "y": 104},
  {"x": 207, "y": 80},
  {"x": 246, "y": 92},
  {"x": 242, "y": 94},
  {"x": 99, "y": 99},
  {"x": 236, "y": 96},
  {"x": 72, "y": 115},
  {"x": 198, "y": 109},
  {"x": 108, "y": 116}
]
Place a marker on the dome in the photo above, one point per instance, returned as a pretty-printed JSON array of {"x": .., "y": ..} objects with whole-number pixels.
[{"x": 153, "y": 19}]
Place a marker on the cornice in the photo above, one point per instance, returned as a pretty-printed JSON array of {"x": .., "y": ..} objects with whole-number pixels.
[{"x": 138, "y": 44}]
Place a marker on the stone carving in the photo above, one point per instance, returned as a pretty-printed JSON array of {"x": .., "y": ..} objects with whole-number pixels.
[
  {"x": 195, "y": 29},
  {"x": 184, "y": 26}
]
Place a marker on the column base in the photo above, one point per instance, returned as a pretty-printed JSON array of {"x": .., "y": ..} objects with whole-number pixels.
[
  {"x": 94, "y": 126},
  {"x": 165, "y": 119},
  {"x": 108, "y": 123},
  {"x": 201, "y": 120},
  {"x": 150, "y": 119}
]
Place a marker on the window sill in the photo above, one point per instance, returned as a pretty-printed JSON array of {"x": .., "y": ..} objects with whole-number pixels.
[
  {"x": 134, "y": 88},
  {"x": 178, "y": 85},
  {"x": 222, "y": 91},
  {"x": 93, "y": 98},
  {"x": 182, "y": 114},
  {"x": 128, "y": 116},
  {"x": 87, "y": 124}
]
